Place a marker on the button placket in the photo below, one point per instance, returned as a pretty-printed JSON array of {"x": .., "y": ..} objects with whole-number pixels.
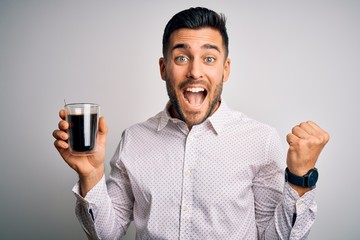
[{"x": 187, "y": 191}]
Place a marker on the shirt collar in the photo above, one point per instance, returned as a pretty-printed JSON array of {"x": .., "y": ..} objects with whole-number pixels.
[
  {"x": 216, "y": 121},
  {"x": 164, "y": 117},
  {"x": 220, "y": 117}
]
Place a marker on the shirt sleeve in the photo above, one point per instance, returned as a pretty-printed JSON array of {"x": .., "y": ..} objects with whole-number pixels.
[
  {"x": 295, "y": 215},
  {"x": 106, "y": 210},
  {"x": 86, "y": 207},
  {"x": 280, "y": 212}
]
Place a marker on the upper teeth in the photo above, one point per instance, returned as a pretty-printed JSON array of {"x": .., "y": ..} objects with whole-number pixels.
[{"x": 198, "y": 89}]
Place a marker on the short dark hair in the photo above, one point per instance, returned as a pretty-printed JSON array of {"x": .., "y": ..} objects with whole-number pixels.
[{"x": 196, "y": 18}]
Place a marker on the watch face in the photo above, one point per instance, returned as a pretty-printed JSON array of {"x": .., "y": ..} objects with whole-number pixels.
[{"x": 313, "y": 177}]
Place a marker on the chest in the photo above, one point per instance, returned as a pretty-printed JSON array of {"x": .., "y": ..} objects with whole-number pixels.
[{"x": 196, "y": 166}]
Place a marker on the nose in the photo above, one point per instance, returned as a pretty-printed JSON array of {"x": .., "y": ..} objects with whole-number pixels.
[{"x": 195, "y": 70}]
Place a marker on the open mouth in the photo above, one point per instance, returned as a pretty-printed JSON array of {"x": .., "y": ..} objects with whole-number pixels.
[{"x": 195, "y": 96}]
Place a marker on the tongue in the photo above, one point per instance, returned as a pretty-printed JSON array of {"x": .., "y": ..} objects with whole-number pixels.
[{"x": 194, "y": 98}]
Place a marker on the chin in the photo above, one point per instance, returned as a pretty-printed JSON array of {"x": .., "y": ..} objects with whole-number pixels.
[{"x": 196, "y": 118}]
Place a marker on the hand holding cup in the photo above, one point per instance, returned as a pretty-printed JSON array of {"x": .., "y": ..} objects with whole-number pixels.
[{"x": 89, "y": 164}]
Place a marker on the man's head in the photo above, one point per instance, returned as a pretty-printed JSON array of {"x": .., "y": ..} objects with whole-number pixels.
[
  {"x": 195, "y": 63},
  {"x": 196, "y": 18}
]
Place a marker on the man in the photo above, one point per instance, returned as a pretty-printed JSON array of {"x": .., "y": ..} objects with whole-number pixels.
[{"x": 198, "y": 170}]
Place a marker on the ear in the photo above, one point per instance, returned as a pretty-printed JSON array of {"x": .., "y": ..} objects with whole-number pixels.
[
  {"x": 226, "y": 69},
  {"x": 162, "y": 65}
]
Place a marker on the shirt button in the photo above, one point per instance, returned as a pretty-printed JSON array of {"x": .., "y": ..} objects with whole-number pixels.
[{"x": 187, "y": 173}]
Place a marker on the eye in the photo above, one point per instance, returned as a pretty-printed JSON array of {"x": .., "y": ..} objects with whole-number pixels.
[
  {"x": 209, "y": 59},
  {"x": 181, "y": 59}
]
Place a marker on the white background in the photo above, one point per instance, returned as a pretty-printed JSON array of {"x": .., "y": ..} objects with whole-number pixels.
[{"x": 292, "y": 61}]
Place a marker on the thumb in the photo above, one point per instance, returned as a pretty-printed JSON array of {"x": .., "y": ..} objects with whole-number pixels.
[{"x": 102, "y": 132}]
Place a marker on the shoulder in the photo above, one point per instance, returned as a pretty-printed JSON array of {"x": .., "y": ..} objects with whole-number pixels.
[
  {"x": 239, "y": 120},
  {"x": 145, "y": 127}
]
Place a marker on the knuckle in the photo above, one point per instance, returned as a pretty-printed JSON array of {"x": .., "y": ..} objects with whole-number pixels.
[
  {"x": 302, "y": 143},
  {"x": 64, "y": 136},
  {"x": 62, "y": 113},
  {"x": 60, "y": 135},
  {"x": 63, "y": 125},
  {"x": 297, "y": 144},
  {"x": 54, "y": 133},
  {"x": 324, "y": 138},
  {"x": 327, "y": 137},
  {"x": 314, "y": 141},
  {"x": 294, "y": 129},
  {"x": 57, "y": 144}
]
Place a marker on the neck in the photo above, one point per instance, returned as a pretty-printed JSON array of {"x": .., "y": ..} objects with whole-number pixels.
[{"x": 174, "y": 113}]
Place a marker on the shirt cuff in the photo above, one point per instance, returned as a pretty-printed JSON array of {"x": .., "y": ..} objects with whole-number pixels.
[
  {"x": 94, "y": 197},
  {"x": 295, "y": 203}
]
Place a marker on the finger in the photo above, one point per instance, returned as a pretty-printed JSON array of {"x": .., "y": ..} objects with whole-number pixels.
[
  {"x": 61, "y": 145},
  {"x": 103, "y": 130},
  {"x": 291, "y": 138},
  {"x": 308, "y": 128},
  {"x": 299, "y": 132},
  {"x": 62, "y": 114},
  {"x": 316, "y": 127},
  {"x": 320, "y": 133},
  {"x": 58, "y": 134},
  {"x": 63, "y": 125}
]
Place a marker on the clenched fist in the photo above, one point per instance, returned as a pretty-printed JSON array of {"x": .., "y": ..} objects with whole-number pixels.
[{"x": 305, "y": 144}]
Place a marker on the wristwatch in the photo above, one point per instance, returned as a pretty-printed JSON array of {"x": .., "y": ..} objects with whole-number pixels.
[{"x": 307, "y": 181}]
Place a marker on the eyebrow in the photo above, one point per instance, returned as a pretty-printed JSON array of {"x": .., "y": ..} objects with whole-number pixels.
[{"x": 205, "y": 46}]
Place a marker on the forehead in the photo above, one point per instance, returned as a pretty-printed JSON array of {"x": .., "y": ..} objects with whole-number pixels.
[{"x": 196, "y": 38}]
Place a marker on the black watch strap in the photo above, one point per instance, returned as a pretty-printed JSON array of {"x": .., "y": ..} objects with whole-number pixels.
[{"x": 308, "y": 180}]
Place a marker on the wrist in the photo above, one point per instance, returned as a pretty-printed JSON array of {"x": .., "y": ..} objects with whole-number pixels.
[
  {"x": 307, "y": 180},
  {"x": 87, "y": 182},
  {"x": 300, "y": 190}
]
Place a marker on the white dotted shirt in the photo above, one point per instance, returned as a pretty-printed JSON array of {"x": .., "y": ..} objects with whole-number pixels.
[{"x": 224, "y": 179}]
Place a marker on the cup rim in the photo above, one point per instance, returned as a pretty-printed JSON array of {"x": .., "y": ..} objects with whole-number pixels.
[{"x": 82, "y": 104}]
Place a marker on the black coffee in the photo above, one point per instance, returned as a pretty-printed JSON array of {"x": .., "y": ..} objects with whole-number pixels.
[{"x": 82, "y": 132}]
